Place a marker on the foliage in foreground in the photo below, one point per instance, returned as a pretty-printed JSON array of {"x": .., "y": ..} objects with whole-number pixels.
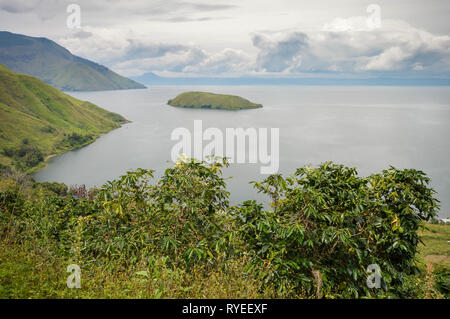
[{"x": 326, "y": 225}]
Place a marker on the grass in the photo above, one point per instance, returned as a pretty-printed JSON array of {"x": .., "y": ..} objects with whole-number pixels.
[
  {"x": 433, "y": 259},
  {"x": 436, "y": 247},
  {"x": 34, "y": 272},
  {"x": 30, "y": 271},
  {"x": 204, "y": 100},
  {"x": 36, "y": 114}
]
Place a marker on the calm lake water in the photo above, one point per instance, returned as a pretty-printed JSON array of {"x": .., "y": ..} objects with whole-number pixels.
[{"x": 367, "y": 127}]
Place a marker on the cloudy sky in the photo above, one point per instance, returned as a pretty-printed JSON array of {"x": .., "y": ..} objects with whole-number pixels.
[{"x": 292, "y": 38}]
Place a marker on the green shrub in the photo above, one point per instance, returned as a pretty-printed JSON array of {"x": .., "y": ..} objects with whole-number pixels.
[
  {"x": 59, "y": 189},
  {"x": 181, "y": 217},
  {"x": 328, "y": 225},
  {"x": 325, "y": 227},
  {"x": 76, "y": 139},
  {"x": 25, "y": 156},
  {"x": 48, "y": 129}
]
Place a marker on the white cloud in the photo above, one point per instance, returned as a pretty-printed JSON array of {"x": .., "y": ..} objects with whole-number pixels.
[
  {"x": 142, "y": 36},
  {"x": 226, "y": 62},
  {"x": 348, "y": 24},
  {"x": 174, "y": 61},
  {"x": 389, "y": 60},
  {"x": 126, "y": 54},
  {"x": 350, "y": 45},
  {"x": 189, "y": 61},
  {"x": 342, "y": 46},
  {"x": 111, "y": 46},
  {"x": 282, "y": 54},
  {"x": 42, "y": 9}
]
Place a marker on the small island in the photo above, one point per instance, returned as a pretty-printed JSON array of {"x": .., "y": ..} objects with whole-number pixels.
[{"x": 205, "y": 100}]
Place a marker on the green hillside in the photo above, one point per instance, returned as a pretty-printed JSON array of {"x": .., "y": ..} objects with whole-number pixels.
[
  {"x": 53, "y": 64},
  {"x": 204, "y": 100},
  {"x": 37, "y": 120}
]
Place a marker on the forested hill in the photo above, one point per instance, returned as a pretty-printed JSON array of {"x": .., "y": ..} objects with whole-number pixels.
[
  {"x": 37, "y": 120},
  {"x": 55, "y": 65}
]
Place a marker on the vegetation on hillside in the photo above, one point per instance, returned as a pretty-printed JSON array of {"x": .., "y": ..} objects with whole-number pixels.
[
  {"x": 53, "y": 64},
  {"x": 37, "y": 120},
  {"x": 204, "y": 100},
  {"x": 178, "y": 237},
  {"x": 434, "y": 258}
]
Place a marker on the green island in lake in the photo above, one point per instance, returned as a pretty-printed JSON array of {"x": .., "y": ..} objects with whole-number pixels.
[{"x": 205, "y": 100}]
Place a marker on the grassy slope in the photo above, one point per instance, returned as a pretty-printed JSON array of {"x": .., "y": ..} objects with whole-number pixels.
[
  {"x": 78, "y": 76},
  {"x": 433, "y": 256},
  {"x": 34, "y": 272},
  {"x": 33, "y": 110},
  {"x": 55, "y": 65},
  {"x": 436, "y": 246},
  {"x": 27, "y": 272},
  {"x": 211, "y": 100}
]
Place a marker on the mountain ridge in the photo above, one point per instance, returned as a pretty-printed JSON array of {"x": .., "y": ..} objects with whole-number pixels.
[{"x": 52, "y": 63}]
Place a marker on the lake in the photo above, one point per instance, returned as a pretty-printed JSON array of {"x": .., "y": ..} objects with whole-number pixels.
[{"x": 367, "y": 127}]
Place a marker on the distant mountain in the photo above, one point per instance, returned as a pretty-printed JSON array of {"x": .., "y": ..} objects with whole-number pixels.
[
  {"x": 55, "y": 65},
  {"x": 153, "y": 79},
  {"x": 37, "y": 120}
]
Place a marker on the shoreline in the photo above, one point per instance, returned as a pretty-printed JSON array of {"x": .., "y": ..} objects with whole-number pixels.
[{"x": 46, "y": 161}]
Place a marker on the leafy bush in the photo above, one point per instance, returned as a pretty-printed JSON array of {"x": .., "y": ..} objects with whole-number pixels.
[
  {"x": 59, "y": 189},
  {"x": 328, "y": 225},
  {"x": 11, "y": 201},
  {"x": 25, "y": 156},
  {"x": 325, "y": 227},
  {"x": 76, "y": 139},
  {"x": 181, "y": 217},
  {"x": 48, "y": 129}
]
